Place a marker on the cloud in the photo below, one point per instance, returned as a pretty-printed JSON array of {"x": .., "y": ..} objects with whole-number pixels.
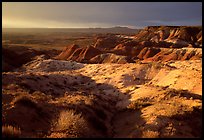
[{"x": 99, "y": 14}]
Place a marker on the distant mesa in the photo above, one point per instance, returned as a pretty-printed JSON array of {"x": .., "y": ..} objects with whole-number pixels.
[{"x": 113, "y": 30}]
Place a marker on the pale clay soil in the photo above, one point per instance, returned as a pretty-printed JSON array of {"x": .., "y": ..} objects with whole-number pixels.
[{"x": 138, "y": 100}]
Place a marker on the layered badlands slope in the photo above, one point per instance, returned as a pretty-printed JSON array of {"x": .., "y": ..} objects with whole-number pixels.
[
  {"x": 180, "y": 35},
  {"x": 150, "y": 43},
  {"x": 54, "y": 98}
]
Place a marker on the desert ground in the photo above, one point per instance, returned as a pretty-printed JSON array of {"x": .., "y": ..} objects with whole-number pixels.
[{"x": 103, "y": 85}]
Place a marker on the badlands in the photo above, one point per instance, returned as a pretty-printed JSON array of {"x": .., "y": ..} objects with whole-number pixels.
[{"x": 147, "y": 85}]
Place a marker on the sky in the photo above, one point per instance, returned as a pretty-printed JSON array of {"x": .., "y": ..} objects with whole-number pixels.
[{"x": 99, "y": 14}]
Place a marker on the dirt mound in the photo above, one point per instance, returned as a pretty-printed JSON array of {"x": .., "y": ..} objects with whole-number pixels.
[
  {"x": 15, "y": 56},
  {"x": 41, "y": 64},
  {"x": 12, "y": 58}
]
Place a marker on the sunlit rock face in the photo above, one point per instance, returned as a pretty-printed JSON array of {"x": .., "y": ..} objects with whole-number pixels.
[
  {"x": 180, "y": 35},
  {"x": 76, "y": 53}
]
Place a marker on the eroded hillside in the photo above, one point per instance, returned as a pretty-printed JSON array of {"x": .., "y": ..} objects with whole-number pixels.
[
  {"x": 104, "y": 100},
  {"x": 141, "y": 86}
]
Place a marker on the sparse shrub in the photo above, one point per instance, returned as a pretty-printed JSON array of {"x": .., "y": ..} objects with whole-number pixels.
[
  {"x": 138, "y": 104},
  {"x": 150, "y": 134},
  {"x": 9, "y": 131},
  {"x": 72, "y": 124}
]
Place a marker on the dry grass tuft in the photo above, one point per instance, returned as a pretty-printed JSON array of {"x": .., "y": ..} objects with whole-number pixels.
[
  {"x": 150, "y": 134},
  {"x": 71, "y": 124},
  {"x": 9, "y": 131},
  {"x": 138, "y": 104}
]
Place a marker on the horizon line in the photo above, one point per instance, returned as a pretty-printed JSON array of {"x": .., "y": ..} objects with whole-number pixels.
[
  {"x": 93, "y": 27},
  {"x": 69, "y": 27}
]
